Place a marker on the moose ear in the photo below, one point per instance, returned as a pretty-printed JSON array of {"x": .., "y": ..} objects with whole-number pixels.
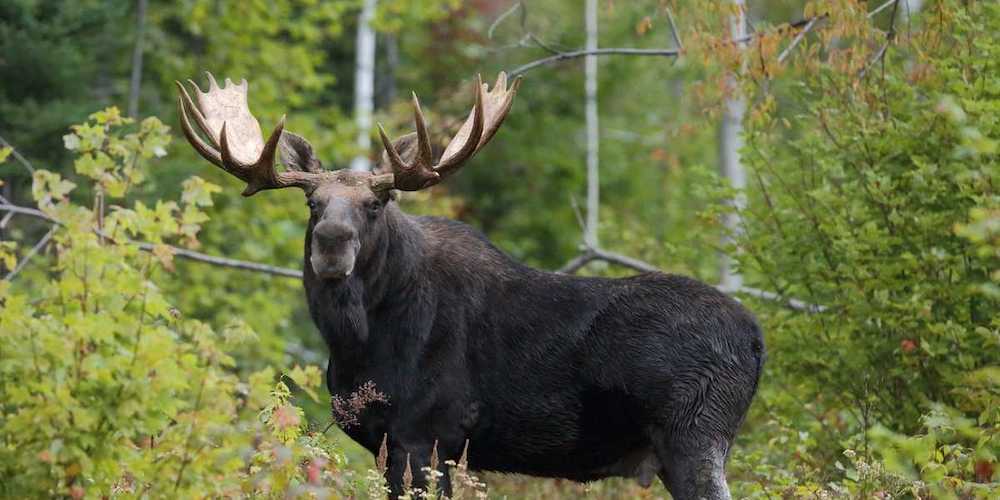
[
  {"x": 297, "y": 153},
  {"x": 406, "y": 146}
]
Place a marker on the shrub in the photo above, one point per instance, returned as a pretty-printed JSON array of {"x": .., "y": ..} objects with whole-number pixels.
[
  {"x": 877, "y": 207},
  {"x": 105, "y": 388}
]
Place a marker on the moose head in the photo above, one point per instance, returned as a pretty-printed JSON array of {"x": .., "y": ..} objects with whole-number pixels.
[{"x": 346, "y": 206}]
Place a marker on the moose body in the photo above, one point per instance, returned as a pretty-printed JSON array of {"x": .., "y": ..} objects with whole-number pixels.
[
  {"x": 544, "y": 374},
  {"x": 540, "y": 373}
]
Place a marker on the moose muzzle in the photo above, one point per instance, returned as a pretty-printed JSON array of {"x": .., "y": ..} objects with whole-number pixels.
[{"x": 335, "y": 248}]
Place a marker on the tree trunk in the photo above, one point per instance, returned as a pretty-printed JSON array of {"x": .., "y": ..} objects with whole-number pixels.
[
  {"x": 593, "y": 131},
  {"x": 135, "y": 83},
  {"x": 364, "y": 84},
  {"x": 386, "y": 81},
  {"x": 731, "y": 141}
]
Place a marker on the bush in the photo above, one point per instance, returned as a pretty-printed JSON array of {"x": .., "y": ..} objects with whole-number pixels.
[
  {"x": 105, "y": 388},
  {"x": 877, "y": 208}
]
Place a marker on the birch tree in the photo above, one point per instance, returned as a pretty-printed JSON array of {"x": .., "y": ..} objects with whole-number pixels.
[
  {"x": 593, "y": 132},
  {"x": 364, "y": 84},
  {"x": 730, "y": 143}
]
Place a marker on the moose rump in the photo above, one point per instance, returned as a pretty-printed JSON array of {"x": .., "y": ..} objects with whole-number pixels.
[{"x": 586, "y": 378}]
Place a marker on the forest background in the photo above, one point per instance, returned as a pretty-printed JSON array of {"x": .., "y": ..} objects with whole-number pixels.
[{"x": 868, "y": 216}]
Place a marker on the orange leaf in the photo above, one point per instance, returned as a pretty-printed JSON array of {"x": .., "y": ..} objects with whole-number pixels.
[{"x": 643, "y": 26}]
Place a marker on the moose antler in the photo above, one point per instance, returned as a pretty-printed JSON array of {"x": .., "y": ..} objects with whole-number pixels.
[
  {"x": 485, "y": 118},
  {"x": 222, "y": 115}
]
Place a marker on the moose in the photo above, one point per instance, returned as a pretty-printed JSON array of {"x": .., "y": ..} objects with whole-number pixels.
[{"x": 527, "y": 371}]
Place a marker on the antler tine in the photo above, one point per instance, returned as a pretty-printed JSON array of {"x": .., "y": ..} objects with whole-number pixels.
[
  {"x": 397, "y": 163},
  {"x": 212, "y": 84},
  {"x": 199, "y": 118},
  {"x": 424, "y": 153},
  {"x": 199, "y": 145},
  {"x": 496, "y": 118},
  {"x": 472, "y": 139},
  {"x": 262, "y": 174},
  {"x": 490, "y": 109},
  {"x": 223, "y": 115},
  {"x": 413, "y": 177}
]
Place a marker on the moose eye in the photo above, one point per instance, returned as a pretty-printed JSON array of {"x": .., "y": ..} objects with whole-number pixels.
[
  {"x": 312, "y": 205},
  {"x": 373, "y": 207}
]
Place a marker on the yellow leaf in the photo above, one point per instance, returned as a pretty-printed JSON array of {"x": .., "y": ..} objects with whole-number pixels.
[
  {"x": 643, "y": 26},
  {"x": 165, "y": 254}
]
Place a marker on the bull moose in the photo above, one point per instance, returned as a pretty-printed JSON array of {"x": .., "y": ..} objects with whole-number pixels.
[{"x": 543, "y": 373}]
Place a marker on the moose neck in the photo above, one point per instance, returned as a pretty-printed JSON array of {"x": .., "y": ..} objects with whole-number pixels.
[{"x": 386, "y": 268}]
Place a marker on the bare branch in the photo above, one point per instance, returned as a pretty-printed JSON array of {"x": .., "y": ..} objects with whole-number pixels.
[
  {"x": 500, "y": 19},
  {"x": 794, "y": 304},
  {"x": 589, "y": 255},
  {"x": 798, "y": 38},
  {"x": 33, "y": 212},
  {"x": 576, "y": 212},
  {"x": 624, "y": 261},
  {"x": 576, "y": 263},
  {"x": 22, "y": 160},
  {"x": 889, "y": 35},
  {"x": 875, "y": 60},
  {"x": 7, "y": 217},
  {"x": 562, "y": 56},
  {"x": 673, "y": 30},
  {"x": 177, "y": 251},
  {"x": 530, "y": 35},
  {"x": 31, "y": 253},
  {"x": 225, "y": 262},
  {"x": 882, "y": 7}
]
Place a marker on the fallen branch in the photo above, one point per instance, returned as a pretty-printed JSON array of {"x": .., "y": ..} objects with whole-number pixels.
[{"x": 177, "y": 251}]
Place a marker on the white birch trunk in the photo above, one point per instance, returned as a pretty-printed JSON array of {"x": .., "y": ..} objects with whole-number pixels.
[
  {"x": 364, "y": 84},
  {"x": 731, "y": 141},
  {"x": 135, "y": 82},
  {"x": 593, "y": 132}
]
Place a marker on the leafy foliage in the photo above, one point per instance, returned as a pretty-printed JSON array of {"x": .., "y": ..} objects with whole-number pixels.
[
  {"x": 873, "y": 169},
  {"x": 106, "y": 388},
  {"x": 870, "y": 201}
]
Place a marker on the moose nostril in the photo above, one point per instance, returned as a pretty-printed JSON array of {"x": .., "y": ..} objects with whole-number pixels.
[{"x": 333, "y": 234}]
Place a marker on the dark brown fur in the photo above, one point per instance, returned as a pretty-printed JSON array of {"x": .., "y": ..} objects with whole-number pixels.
[{"x": 544, "y": 374}]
